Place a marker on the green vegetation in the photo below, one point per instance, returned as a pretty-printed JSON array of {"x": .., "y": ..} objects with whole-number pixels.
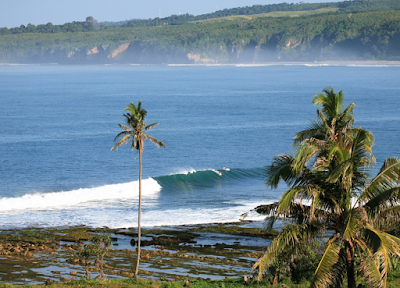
[
  {"x": 135, "y": 131},
  {"x": 331, "y": 189},
  {"x": 271, "y": 14},
  {"x": 272, "y": 9},
  {"x": 236, "y": 230},
  {"x": 97, "y": 248},
  {"x": 286, "y": 8},
  {"x": 302, "y": 32},
  {"x": 103, "y": 241},
  {"x": 89, "y": 25},
  {"x": 130, "y": 282},
  {"x": 85, "y": 254}
]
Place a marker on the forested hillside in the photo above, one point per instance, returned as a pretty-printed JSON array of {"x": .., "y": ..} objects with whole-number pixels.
[{"x": 346, "y": 34}]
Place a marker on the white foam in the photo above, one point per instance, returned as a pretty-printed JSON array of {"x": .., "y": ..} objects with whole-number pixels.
[
  {"x": 70, "y": 198},
  {"x": 184, "y": 171},
  {"x": 191, "y": 216},
  {"x": 124, "y": 215}
]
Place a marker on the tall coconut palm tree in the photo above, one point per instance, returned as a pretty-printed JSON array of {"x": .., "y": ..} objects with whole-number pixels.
[
  {"x": 331, "y": 189},
  {"x": 134, "y": 131}
]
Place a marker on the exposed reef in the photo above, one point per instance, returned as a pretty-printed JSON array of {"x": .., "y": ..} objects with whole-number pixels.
[{"x": 168, "y": 253}]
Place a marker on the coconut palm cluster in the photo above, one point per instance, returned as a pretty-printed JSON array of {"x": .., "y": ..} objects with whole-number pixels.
[{"x": 332, "y": 198}]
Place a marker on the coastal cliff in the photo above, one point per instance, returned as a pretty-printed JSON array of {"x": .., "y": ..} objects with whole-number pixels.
[{"x": 330, "y": 36}]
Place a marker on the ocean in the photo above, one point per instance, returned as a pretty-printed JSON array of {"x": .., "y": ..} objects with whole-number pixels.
[{"x": 58, "y": 124}]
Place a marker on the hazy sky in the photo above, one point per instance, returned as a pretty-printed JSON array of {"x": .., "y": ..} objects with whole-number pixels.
[{"x": 13, "y": 13}]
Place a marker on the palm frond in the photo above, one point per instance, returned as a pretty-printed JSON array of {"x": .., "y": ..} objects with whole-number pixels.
[
  {"x": 122, "y": 134},
  {"x": 268, "y": 209},
  {"x": 346, "y": 118},
  {"x": 121, "y": 142},
  {"x": 356, "y": 220},
  {"x": 383, "y": 246},
  {"x": 306, "y": 152},
  {"x": 151, "y": 126},
  {"x": 125, "y": 128},
  {"x": 136, "y": 111},
  {"x": 326, "y": 274},
  {"x": 287, "y": 198},
  {"x": 369, "y": 267},
  {"x": 385, "y": 200},
  {"x": 388, "y": 177},
  {"x": 289, "y": 238},
  {"x": 387, "y": 218},
  {"x": 315, "y": 128},
  {"x": 281, "y": 168},
  {"x": 157, "y": 142}
]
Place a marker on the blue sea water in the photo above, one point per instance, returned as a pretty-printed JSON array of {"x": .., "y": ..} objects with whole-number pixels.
[{"x": 58, "y": 124}]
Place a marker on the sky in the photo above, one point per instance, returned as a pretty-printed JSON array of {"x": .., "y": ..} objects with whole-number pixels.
[{"x": 14, "y": 13}]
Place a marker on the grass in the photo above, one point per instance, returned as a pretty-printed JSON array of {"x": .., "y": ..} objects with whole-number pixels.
[
  {"x": 271, "y": 14},
  {"x": 130, "y": 282}
]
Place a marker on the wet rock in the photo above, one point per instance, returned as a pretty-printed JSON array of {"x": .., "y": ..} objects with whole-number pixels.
[
  {"x": 56, "y": 272},
  {"x": 133, "y": 242},
  {"x": 48, "y": 282},
  {"x": 145, "y": 257},
  {"x": 73, "y": 260},
  {"x": 126, "y": 274},
  {"x": 73, "y": 273}
]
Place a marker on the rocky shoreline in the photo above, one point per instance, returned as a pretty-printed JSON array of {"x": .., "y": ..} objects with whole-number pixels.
[{"x": 209, "y": 251}]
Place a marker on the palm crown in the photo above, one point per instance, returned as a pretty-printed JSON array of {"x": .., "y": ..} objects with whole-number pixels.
[{"x": 135, "y": 128}]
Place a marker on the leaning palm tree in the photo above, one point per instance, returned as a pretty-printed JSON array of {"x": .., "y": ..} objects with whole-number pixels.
[
  {"x": 330, "y": 189},
  {"x": 135, "y": 132}
]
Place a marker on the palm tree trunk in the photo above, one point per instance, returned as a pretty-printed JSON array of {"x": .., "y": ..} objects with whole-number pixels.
[
  {"x": 275, "y": 279},
  {"x": 140, "y": 212},
  {"x": 351, "y": 280}
]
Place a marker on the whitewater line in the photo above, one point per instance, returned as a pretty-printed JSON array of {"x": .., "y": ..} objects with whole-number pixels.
[{"x": 75, "y": 197}]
